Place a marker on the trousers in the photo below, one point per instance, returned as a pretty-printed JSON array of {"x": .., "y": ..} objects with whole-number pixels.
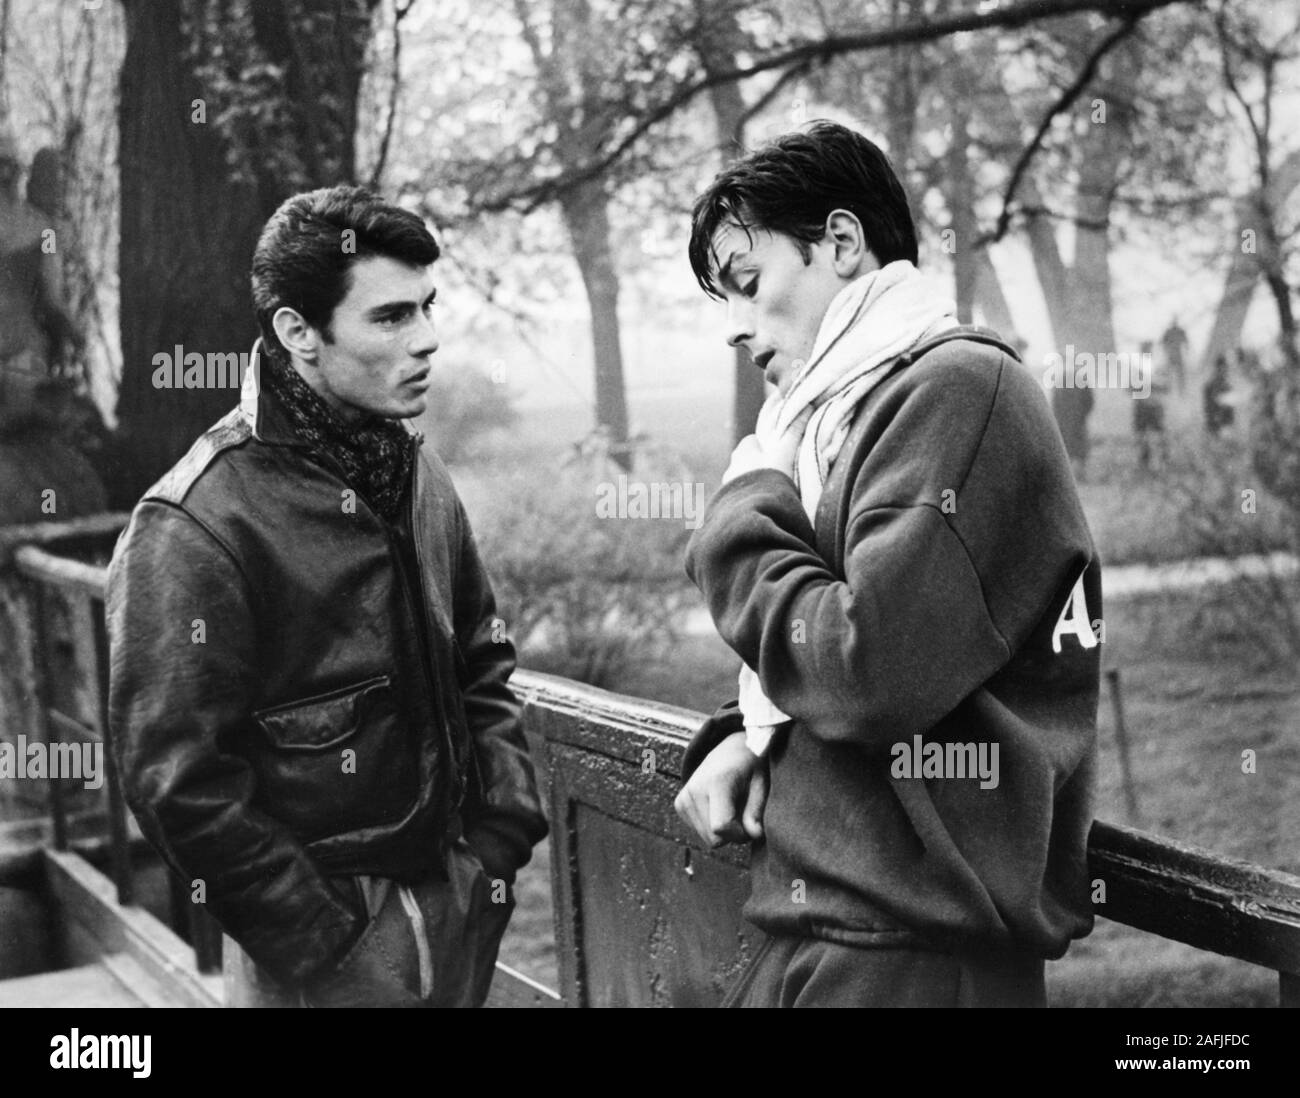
[
  {"x": 811, "y": 972},
  {"x": 429, "y": 944}
]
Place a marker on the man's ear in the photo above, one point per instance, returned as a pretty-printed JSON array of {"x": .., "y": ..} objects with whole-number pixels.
[
  {"x": 296, "y": 336},
  {"x": 851, "y": 256}
]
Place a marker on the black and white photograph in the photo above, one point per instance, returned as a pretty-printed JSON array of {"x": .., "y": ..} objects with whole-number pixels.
[{"x": 651, "y": 503}]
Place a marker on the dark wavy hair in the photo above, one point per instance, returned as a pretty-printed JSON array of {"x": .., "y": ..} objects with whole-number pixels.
[
  {"x": 303, "y": 257},
  {"x": 792, "y": 184}
]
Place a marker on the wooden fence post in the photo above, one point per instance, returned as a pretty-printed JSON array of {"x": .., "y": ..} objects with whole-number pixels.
[{"x": 1121, "y": 741}]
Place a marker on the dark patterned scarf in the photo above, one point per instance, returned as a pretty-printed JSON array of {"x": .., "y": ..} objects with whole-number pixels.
[{"x": 375, "y": 454}]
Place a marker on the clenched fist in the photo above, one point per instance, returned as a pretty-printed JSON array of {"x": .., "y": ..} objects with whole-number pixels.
[{"x": 723, "y": 800}]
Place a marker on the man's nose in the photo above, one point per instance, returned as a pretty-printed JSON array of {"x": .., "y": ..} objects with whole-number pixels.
[
  {"x": 740, "y": 323},
  {"x": 425, "y": 340}
]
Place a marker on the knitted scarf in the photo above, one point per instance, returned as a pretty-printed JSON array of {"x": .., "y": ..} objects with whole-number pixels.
[
  {"x": 869, "y": 323},
  {"x": 375, "y": 454}
]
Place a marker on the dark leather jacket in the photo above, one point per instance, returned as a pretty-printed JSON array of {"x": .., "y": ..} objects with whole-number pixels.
[{"x": 300, "y": 690}]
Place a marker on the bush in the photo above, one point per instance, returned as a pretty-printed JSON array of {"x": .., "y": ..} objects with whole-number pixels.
[
  {"x": 582, "y": 595},
  {"x": 465, "y": 407},
  {"x": 1231, "y": 508}
]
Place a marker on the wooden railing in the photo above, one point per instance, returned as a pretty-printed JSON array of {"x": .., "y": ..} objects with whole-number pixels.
[
  {"x": 81, "y": 587},
  {"x": 642, "y": 915}
]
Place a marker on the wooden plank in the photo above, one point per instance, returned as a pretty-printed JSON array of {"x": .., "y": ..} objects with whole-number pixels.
[
  {"x": 643, "y": 916},
  {"x": 1191, "y": 895},
  {"x": 599, "y": 720},
  {"x": 91, "y": 985},
  {"x": 42, "y": 690},
  {"x": 661, "y": 922},
  {"x": 85, "y": 898},
  {"x": 60, "y": 572},
  {"x": 117, "y": 827},
  {"x": 93, "y": 529},
  {"x": 566, "y": 895},
  {"x": 22, "y": 843},
  {"x": 145, "y": 985}
]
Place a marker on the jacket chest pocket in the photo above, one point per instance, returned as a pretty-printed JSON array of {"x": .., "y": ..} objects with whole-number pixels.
[{"x": 337, "y": 762}]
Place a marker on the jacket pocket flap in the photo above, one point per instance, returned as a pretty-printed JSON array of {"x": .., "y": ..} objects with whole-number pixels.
[{"x": 324, "y": 720}]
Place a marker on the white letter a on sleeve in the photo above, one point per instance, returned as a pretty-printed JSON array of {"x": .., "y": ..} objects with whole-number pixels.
[{"x": 1075, "y": 619}]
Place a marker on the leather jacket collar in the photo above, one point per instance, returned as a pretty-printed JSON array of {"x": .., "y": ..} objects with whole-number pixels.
[{"x": 262, "y": 411}]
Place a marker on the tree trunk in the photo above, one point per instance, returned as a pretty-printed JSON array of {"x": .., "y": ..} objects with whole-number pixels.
[
  {"x": 1079, "y": 297},
  {"x": 718, "y": 44},
  {"x": 188, "y": 221},
  {"x": 961, "y": 207},
  {"x": 1246, "y": 268},
  {"x": 990, "y": 299},
  {"x": 187, "y": 235},
  {"x": 1069, "y": 406},
  {"x": 586, "y": 216}
]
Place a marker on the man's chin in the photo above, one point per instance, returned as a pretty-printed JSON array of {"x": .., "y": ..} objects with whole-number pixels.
[{"x": 403, "y": 409}]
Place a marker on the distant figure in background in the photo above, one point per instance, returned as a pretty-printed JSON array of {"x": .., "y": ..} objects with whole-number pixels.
[
  {"x": 1149, "y": 414},
  {"x": 39, "y": 469},
  {"x": 1219, "y": 413},
  {"x": 1174, "y": 342},
  {"x": 69, "y": 396},
  {"x": 34, "y": 325},
  {"x": 45, "y": 195}
]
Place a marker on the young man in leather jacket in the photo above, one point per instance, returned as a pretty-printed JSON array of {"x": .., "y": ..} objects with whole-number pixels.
[{"x": 309, "y": 700}]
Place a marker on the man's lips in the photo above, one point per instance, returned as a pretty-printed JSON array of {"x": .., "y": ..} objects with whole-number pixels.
[
  {"x": 762, "y": 360},
  {"x": 421, "y": 379}
]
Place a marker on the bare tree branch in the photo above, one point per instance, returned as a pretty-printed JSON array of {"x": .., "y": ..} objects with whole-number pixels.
[
  {"x": 808, "y": 55},
  {"x": 1067, "y": 97}
]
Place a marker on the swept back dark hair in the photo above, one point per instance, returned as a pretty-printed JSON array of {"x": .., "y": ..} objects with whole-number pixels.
[
  {"x": 793, "y": 183},
  {"x": 309, "y": 244}
]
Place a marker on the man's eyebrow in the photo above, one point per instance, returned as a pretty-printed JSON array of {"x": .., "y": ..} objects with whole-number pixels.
[
  {"x": 388, "y": 308},
  {"x": 724, "y": 272}
]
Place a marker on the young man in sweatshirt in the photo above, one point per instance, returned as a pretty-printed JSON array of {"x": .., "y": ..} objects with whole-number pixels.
[{"x": 899, "y": 556}]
